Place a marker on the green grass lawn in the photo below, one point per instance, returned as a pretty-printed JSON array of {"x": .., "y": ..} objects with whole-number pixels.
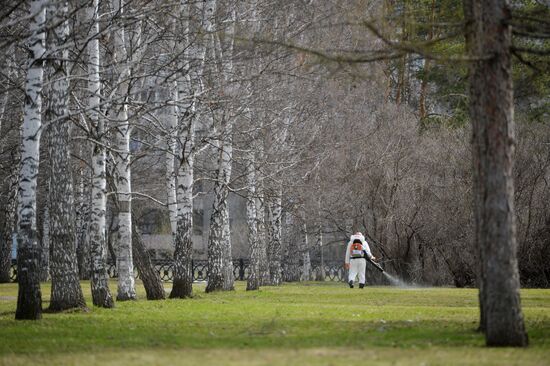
[{"x": 296, "y": 324}]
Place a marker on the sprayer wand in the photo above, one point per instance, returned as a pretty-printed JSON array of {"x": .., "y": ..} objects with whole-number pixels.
[{"x": 375, "y": 264}]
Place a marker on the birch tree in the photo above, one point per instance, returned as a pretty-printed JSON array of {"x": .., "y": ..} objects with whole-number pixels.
[
  {"x": 10, "y": 211},
  {"x": 254, "y": 276},
  {"x": 101, "y": 295},
  {"x": 275, "y": 244},
  {"x": 304, "y": 252},
  {"x": 171, "y": 117},
  {"x": 83, "y": 226},
  {"x": 45, "y": 244},
  {"x": 66, "y": 292},
  {"x": 29, "y": 298},
  {"x": 125, "y": 265},
  {"x": 219, "y": 242},
  {"x": 154, "y": 288},
  {"x": 260, "y": 206},
  {"x": 292, "y": 253},
  {"x": 274, "y": 249},
  {"x": 227, "y": 146},
  {"x": 193, "y": 60}
]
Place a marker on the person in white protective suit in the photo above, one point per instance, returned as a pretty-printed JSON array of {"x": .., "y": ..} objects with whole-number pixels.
[{"x": 355, "y": 262}]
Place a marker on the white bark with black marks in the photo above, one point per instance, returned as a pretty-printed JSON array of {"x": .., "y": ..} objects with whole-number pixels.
[
  {"x": 218, "y": 240},
  {"x": 29, "y": 299},
  {"x": 65, "y": 292},
  {"x": 171, "y": 117},
  {"x": 254, "y": 276},
  {"x": 101, "y": 295},
  {"x": 274, "y": 250},
  {"x": 125, "y": 264},
  {"x": 220, "y": 270},
  {"x": 183, "y": 244},
  {"x": 261, "y": 209}
]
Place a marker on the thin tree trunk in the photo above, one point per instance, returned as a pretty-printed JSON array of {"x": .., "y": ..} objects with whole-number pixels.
[
  {"x": 319, "y": 244},
  {"x": 260, "y": 213},
  {"x": 171, "y": 140},
  {"x": 183, "y": 252},
  {"x": 183, "y": 241},
  {"x": 29, "y": 298},
  {"x": 292, "y": 255},
  {"x": 125, "y": 264},
  {"x": 275, "y": 245},
  {"x": 82, "y": 225},
  {"x": 227, "y": 262},
  {"x": 220, "y": 264},
  {"x": 9, "y": 226},
  {"x": 101, "y": 295},
  {"x": 253, "y": 282},
  {"x": 228, "y": 275},
  {"x": 45, "y": 245},
  {"x": 306, "y": 260},
  {"x": 216, "y": 240},
  {"x": 9, "y": 210},
  {"x": 6, "y": 93},
  {"x": 154, "y": 288},
  {"x": 491, "y": 113}
]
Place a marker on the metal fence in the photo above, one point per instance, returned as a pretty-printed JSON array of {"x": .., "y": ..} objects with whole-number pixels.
[{"x": 333, "y": 270}]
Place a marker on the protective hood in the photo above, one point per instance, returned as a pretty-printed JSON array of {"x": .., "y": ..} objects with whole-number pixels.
[{"x": 357, "y": 236}]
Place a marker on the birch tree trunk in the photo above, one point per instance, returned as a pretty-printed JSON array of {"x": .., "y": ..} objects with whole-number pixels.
[
  {"x": 29, "y": 298},
  {"x": 304, "y": 250},
  {"x": 491, "y": 113},
  {"x": 65, "y": 292},
  {"x": 217, "y": 243},
  {"x": 101, "y": 295},
  {"x": 260, "y": 210},
  {"x": 228, "y": 276},
  {"x": 227, "y": 261},
  {"x": 154, "y": 288},
  {"x": 253, "y": 282},
  {"x": 125, "y": 265},
  {"x": 82, "y": 229},
  {"x": 183, "y": 240},
  {"x": 292, "y": 268},
  {"x": 9, "y": 225},
  {"x": 6, "y": 92},
  {"x": 319, "y": 244},
  {"x": 9, "y": 210},
  {"x": 45, "y": 245},
  {"x": 220, "y": 264},
  {"x": 171, "y": 141},
  {"x": 275, "y": 244}
]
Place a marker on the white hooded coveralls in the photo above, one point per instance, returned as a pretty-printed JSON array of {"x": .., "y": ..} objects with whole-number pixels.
[{"x": 357, "y": 265}]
